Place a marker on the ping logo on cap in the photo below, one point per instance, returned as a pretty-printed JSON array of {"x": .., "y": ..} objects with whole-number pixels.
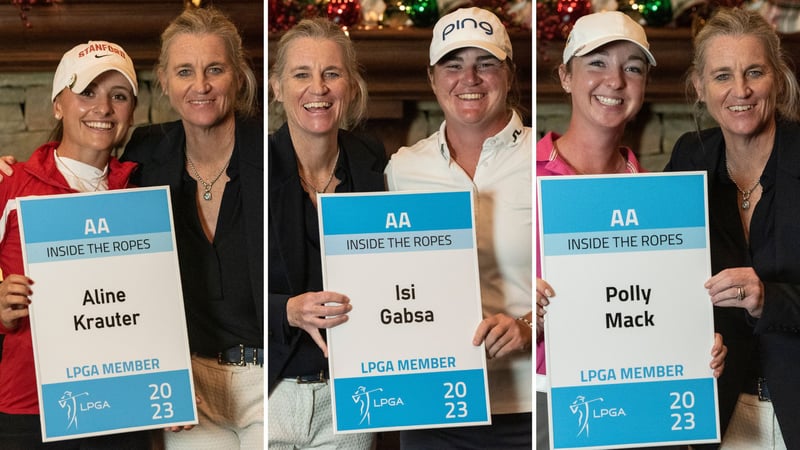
[{"x": 466, "y": 23}]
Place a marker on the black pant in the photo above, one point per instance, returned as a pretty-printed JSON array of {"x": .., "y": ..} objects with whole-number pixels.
[{"x": 23, "y": 432}]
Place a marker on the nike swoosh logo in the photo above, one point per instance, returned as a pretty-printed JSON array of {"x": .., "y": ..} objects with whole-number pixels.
[{"x": 102, "y": 56}]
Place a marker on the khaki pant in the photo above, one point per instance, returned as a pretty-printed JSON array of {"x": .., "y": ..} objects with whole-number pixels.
[
  {"x": 299, "y": 416},
  {"x": 753, "y": 426},
  {"x": 231, "y": 408}
]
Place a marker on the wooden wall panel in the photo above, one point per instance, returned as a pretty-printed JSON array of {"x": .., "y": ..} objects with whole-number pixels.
[{"x": 134, "y": 24}]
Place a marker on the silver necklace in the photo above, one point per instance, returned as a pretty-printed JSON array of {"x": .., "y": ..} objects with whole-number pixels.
[
  {"x": 745, "y": 194},
  {"x": 327, "y": 184},
  {"x": 206, "y": 185}
]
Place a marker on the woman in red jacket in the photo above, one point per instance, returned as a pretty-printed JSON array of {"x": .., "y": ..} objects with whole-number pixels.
[{"x": 94, "y": 96}]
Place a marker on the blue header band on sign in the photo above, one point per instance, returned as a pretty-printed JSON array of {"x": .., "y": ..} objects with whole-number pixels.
[
  {"x": 355, "y": 214},
  {"x": 585, "y": 204},
  {"x": 125, "y": 213}
]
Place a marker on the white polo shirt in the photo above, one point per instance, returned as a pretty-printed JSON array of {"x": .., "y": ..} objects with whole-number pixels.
[{"x": 502, "y": 190}]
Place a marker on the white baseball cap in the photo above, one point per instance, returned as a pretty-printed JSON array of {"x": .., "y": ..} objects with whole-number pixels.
[
  {"x": 84, "y": 62},
  {"x": 592, "y": 31},
  {"x": 469, "y": 27}
]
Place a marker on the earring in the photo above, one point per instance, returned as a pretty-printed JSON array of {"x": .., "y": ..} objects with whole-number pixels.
[{"x": 58, "y": 116}]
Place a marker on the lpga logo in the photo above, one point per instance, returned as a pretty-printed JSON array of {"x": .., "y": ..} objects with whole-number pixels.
[
  {"x": 70, "y": 403},
  {"x": 73, "y": 403},
  {"x": 585, "y": 410},
  {"x": 368, "y": 403},
  {"x": 361, "y": 396}
]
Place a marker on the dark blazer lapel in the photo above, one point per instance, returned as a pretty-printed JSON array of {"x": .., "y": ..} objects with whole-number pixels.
[
  {"x": 286, "y": 217},
  {"x": 167, "y": 156},
  {"x": 787, "y": 136},
  {"x": 365, "y": 169},
  {"x": 250, "y": 143},
  {"x": 787, "y": 197},
  {"x": 711, "y": 149}
]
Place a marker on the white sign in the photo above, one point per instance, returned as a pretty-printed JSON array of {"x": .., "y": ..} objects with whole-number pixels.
[
  {"x": 408, "y": 263},
  {"x": 630, "y": 330},
  {"x": 107, "y": 318}
]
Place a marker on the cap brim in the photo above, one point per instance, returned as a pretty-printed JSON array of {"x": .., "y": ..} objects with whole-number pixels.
[
  {"x": 87, "y": 76},
  {"x": 597, "y": 43},
  {"x": 496, "y": 51}
]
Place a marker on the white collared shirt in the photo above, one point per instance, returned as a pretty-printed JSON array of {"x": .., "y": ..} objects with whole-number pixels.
[{"x": 502, "y": 190}]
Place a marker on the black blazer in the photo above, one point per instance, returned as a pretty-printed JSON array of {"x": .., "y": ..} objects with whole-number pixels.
[
  {"x": 287, "y": 260},
  {"x": 771, "y": 342},
  {"x": 159, "y": 150}
]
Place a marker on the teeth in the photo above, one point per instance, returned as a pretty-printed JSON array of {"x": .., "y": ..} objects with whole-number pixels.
[
  {"x": 470, "y": 96},
  {"x": 740, "y": 108},
  {"x": 101, "y": 125},
  {"x": 317, "y": 105},
  {"x": 608, "y": 101},
  {"x": 200, "y": 102}
]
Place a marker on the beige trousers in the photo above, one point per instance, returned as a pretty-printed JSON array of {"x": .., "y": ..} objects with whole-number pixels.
[
  {"x": 231, "y": 408},
  {"x": 753, "y": 426},
  {"x": 300, "y": 417}
]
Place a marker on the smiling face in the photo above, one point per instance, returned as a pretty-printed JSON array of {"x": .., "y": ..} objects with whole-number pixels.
[
  {"x": 607, "y": 86},
  {"x": 738, "y": 85},
  {"x": 97, "y": 119},
  {"x": 313, "y": 88},
  {"x": 199, "y": 80},
  {"x": 471, "y": 86}
]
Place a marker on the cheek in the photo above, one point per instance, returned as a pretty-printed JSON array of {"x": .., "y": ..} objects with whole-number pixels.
[
  {"x": 128, "y": 111},
  {"x": 439, "y": 80},
  {"x": 589, "y": 82},
  {"x": 770, "y": 91},
  {"x": 344, "y": 90},
  {"x": 714, "y": 96},
  {"x": 501, "y": 85},
  {"x": 174, "y": 88},
  {"x": 638, "y": 86},
  {"x": 229, "y": 87}
]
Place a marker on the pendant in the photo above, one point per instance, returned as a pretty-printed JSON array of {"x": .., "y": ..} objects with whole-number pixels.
[
  {"x": 745, "y": 204},
  {"x": 207, "y": 196}
]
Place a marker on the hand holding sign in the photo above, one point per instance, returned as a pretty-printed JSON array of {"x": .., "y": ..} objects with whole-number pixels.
[
  {"x": 311, "y": 311},
  {"x": 14, "y": 301}
]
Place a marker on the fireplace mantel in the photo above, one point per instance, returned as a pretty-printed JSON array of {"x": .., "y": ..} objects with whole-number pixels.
[{"x": 134, "y": 24}]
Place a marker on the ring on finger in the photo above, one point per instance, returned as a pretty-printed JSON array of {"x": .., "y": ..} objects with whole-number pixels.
[{"x": 740, "y": 293}]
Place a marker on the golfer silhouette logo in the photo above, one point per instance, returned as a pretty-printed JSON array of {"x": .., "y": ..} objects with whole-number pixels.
[
  {"x": 361, "y": 396},
  {"x": 70, "y": 403},
  {"x": 580, "y": 406}
]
